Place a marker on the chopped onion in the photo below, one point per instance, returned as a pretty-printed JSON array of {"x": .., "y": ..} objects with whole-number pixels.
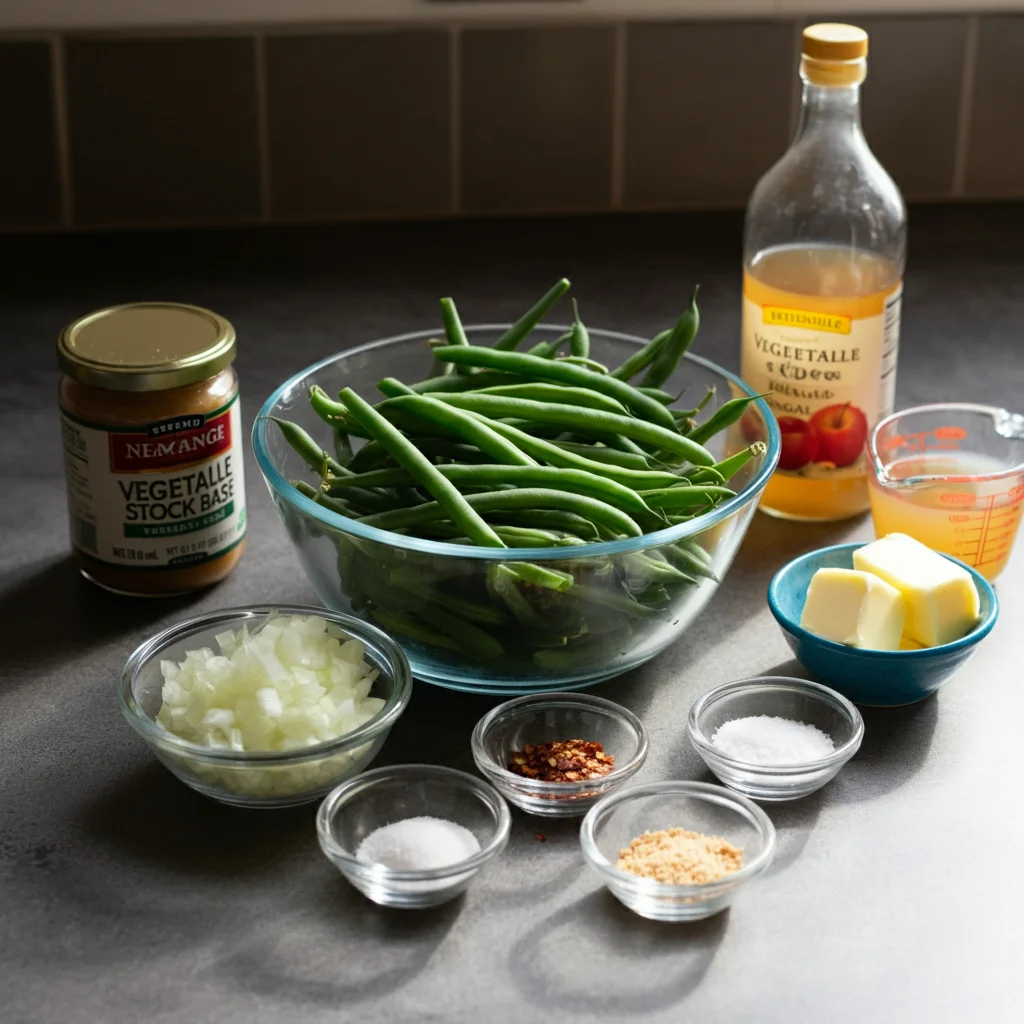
[{"x": 297, "y": 682}]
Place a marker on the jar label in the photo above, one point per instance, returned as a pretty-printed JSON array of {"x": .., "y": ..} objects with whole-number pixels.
[
  {"x": 165, "y": 496},
  {"x": 828, "y": 377}
]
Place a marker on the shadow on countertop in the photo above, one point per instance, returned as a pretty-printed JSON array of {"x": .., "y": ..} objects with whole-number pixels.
[
  {"x": 282, "y": 966},
  {"x": 153, "y": 818},
  {"x": 54, "y": 591},
  {"x": 645, "y": 966}
]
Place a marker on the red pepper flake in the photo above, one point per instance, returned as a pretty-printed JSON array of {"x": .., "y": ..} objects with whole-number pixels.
[
  {"x": 540, "y": 837},
  {"x": 562, "y": 761}
]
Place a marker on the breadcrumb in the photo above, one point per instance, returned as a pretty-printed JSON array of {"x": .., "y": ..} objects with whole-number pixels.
[{"x": 680, "y": 857}]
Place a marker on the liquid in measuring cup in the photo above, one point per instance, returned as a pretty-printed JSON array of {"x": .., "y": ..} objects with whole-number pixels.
[{"x": 975, "y": 520}]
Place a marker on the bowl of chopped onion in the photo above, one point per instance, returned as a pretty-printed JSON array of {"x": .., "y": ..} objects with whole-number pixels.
[{"x": 266, "y": 706}]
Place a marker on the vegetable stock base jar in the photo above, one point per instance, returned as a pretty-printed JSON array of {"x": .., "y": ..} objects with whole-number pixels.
[{"x": 151, "y": 430}]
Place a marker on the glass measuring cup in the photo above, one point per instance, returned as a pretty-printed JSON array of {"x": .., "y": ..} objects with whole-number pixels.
[{"x": 950, "y": 475}]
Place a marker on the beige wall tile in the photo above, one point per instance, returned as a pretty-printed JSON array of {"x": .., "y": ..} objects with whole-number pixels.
[
  {"x": 707, "y": 110},
  {"x": 359, "y": 124},
  {"x": 537, "y": 119},
  {"x": 995, "y": 160},
  {"x": 29, "y": 178},
  {"x": 163, "y": 129}
]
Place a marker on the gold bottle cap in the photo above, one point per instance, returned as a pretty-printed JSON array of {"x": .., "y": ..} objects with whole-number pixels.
[
  {"x": 834, "y": 54},
  {"x": 146, "y": 346}
]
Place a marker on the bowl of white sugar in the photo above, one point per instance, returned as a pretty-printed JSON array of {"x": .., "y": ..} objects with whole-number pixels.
[{"x": 775, "y": 738}]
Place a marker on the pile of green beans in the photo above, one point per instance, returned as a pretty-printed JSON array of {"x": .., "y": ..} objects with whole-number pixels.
[{"x": 543, "y": 448}]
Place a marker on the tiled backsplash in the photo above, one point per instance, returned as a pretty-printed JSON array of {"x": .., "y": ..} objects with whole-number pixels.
[{"x": 233, "y": 127}]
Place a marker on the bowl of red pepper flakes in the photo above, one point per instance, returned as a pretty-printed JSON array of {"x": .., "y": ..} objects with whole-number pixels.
[{"x": 556, "y": 754}]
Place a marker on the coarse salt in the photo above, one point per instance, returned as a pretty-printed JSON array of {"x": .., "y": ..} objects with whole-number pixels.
[
  {"x": 418, "y": 844},
  {"x": 767, "y": 740}
]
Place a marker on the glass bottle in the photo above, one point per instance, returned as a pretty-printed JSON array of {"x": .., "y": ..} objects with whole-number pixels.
[{"x": 823, "y": 256}]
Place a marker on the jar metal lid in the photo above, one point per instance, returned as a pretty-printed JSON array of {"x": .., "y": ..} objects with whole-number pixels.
[{"x": 146, "y": 346}]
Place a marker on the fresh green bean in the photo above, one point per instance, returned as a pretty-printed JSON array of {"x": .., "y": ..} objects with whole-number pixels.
[
  {"x": 546, "y": 451},
  {"x": 724, "y": 416},
  {"x": 373, "y": 455},
  {"x": 562, "y": 373},
  {"x": 694, "y": 548},
  {"x": 469, "y": 428},
  {"x": 471, "y": 638},
  {"x": 497, "y": 501},
  {"x": 590, "y": 364},
  {"x": 684, "y": 559},
  {"x": 513, "y": 536},
  {"x": 617, "y": 602},
  {"x": 622, "y": 444},
  {"x": 729, "y": 467},
  {"x": 604, "y": 454},
  {"x": 365, "y": 501},
  {"x": 686, "y": 497},
  {"x": 423, "y": 471},
  {"x": 550, "y": 579},
  {"x": 579, "y": 343},
  {"x": 504, "y": 582},
  {"x": 576, "y": 481},
  {"x": 549, "y": 349},
  {"x": 658, "y": 395},
  {"x": 655, "y": 570},
  {"x": 667, "y": 357},
  {"x": 688, "y": 414},
  {"x": 549, "y": 519},
  {"x": 408, "y": 625},
  {"x": 306, "y": 448},
  {"x": 468, "y": 383},
  {"x": 642, "y": 357},
  {"x": 579, "y": 421},
  {"x": 512, "y": 338},
  {"x": 453, "y": 331},
  {"x": 570, "y": 659},
  {"x": 579, "y": 397},
  {"x": 393, "y": 388},
  {"x": 333, "y": 413}
]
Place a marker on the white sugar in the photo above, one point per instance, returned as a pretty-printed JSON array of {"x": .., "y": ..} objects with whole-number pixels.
[
  {"x": 766, "y": 740},
  {"x": 418, "y": 844}
]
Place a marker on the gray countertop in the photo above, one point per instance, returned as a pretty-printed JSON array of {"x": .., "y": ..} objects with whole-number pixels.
[{"x": 126, "y": 897}]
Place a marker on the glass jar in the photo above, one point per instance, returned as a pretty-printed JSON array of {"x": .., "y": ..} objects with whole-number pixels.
[
  {"x": 152, "y": 440},
  {"x": 823, "y": 256}
]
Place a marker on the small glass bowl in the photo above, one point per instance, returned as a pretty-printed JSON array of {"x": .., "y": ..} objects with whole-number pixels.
[
  {"x": 259, "y": 779},
  {"x": 557, "y": 716},
  {"x": 361, "y": 805},
  {"x": 781, "y": 697},
  {"x": 613, "y": 822}
]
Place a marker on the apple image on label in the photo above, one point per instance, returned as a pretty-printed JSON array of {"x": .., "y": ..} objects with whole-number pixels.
[
  {"x": 800, "y": 442},
  {"x": 842, "y": 432}
]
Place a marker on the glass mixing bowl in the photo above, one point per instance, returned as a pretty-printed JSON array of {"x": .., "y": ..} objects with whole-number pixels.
[
  {"x": 553, "y": 640},
  {"x": 260, "y": 778}
]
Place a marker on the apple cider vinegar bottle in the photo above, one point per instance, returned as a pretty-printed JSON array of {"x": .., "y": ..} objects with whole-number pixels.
[{"x": 823, "y": 253}]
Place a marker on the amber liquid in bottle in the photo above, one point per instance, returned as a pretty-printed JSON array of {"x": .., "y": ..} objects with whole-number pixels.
[
  {"x": 824, "y": 244},
  {"x": 839, "y": 283}
]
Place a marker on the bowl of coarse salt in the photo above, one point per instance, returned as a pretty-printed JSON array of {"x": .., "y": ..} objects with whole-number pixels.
[
  {"x": 412, "y": 835},
  {"x": 775, "y": 738}
]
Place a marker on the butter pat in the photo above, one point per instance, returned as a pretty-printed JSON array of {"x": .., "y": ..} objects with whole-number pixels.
[
  {"x": 942, "y": 601},
  {"x": 854, "y": 608}
]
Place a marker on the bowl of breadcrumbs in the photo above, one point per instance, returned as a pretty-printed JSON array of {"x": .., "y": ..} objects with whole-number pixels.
[{"x": 676, "y": 851}]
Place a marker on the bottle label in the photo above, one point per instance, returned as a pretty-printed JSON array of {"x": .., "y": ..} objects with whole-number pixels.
[
  {"x": 828, "y": 377},
  {"x": 164, "y": 496}
]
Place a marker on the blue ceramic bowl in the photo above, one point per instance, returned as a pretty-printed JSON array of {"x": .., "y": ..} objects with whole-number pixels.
[{"x": 873, "y": 678}]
